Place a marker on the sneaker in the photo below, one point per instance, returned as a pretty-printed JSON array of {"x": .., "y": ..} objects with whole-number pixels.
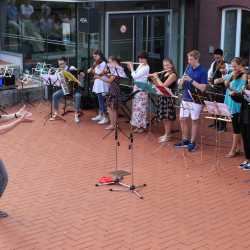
[
  {"x": 182, "y": 144},
  {"x": 104, "y": 120},
  {"x": 192, "y": 147},
  {"x": 246, "y": 167},
  {"x": 243, "y": 164},
  {"x": 97, "y": 118},
  {"x": 77, "y": 119}
]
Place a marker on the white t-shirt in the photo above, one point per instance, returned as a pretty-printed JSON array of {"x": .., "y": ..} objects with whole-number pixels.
[
  {"x": 27, "y": 10},
  {"x": 140, "y": 74},
  {"x": 100, "y": 86}
]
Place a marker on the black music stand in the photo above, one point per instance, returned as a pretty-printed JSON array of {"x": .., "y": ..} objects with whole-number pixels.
[
  {"x": 27, "y": 99},
  {"x": 51, "y": 85}
]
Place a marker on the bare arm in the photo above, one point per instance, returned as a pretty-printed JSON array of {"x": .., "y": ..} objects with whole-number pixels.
[
  {"x": 19, "y": 113},
  {"x": 201, "y": 86},
  {"x": 5, "y": 128},
  {"x": 106, "y": 79},
  {"x": 23, "y": 117},
  {"x": 5, "y": 118},
  {"x": 219, "y": 80},
  {"x": 171, "y": 79}
]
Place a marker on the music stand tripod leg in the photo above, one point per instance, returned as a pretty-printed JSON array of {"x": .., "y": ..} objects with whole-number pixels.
[
  {"x": 50, "y": 115},
  {"x": 132, "y": 188},
  {"x": 23, "y": 95},
  {"x": 117, "y": 178}
]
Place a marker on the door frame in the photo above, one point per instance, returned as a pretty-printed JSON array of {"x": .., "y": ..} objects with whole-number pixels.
[{"x": 107, "y": 28}]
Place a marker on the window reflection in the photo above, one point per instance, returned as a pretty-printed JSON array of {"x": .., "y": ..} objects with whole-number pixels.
[
  {"x": 40, "y": 31},
  {"x": 230, "y": 34}
]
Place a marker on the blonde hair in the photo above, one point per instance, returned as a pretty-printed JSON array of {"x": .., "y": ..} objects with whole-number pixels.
[
  {"x": 195, "y": 54},
  {"x": 170, "y": 61}
]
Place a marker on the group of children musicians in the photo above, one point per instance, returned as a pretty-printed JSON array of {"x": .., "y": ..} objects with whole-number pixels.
[
  {"x": 227, "y": 84},
  {"x": 231, "y": 86}
]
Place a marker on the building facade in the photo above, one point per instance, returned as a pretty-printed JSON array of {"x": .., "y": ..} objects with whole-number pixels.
[
  {"x": 34, "y": 31},
  {"x": 43, "y": 31},
  {"x": 219, "y": 24}
]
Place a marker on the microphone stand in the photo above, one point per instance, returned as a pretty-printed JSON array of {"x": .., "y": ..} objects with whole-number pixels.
[
  {"x": 118, "y": 174},
  {"x": 132, "y": 188}
]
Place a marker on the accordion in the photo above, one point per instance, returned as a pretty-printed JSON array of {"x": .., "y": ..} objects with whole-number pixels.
[{"x": 63, "y": 83}]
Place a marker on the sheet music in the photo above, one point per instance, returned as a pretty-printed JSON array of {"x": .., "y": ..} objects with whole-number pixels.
[
  {"x": 51, "y": 78},
  {"x": 117, "y": 71},
  {"x": 164, "y": 91},
  {"x": 216, "y": 108},
  {"x": 223, "y": 110}
]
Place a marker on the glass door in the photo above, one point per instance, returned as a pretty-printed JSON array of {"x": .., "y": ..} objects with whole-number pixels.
[
  {"x": 153, "y": 32},
  {"x": 121, "y": 37},
  {"x": 131, "y": 33}
]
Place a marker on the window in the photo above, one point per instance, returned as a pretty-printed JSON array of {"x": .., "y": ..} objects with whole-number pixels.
[
  {"x": 235, "y": 36},
  {"x": 40, "y": 31}
]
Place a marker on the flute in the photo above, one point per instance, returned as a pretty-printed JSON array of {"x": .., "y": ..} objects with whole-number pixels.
[
  {"x": 157, "y": 73},
  {"x": 127, "y": 62}
]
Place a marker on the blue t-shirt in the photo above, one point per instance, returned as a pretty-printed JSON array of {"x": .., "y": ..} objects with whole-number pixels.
[{"x": 199, "y": 75}]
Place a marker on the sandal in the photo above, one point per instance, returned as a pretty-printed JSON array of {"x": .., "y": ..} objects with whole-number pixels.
[
  {"x": 135, "y": 130},
  {"x": 110, "y": 127},
  {"x": 53, "y": 118},
  {"x": 140, "y": 130},
  {"x": 232, "y": 154},
  {"x": 164, "y": 138}
]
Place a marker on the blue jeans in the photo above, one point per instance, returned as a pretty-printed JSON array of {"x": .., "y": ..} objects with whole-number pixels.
[
  {"x": 3, "y": 178},
  {"x": 101, "y": 102},
  {"x": 59, "y": 94}
]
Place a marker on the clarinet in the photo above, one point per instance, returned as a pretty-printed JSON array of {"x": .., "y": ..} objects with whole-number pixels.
[{"x": 180, "y": 87}]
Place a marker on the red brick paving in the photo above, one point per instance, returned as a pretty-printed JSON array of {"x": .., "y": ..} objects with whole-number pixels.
[{"x": 54, "y": 205}]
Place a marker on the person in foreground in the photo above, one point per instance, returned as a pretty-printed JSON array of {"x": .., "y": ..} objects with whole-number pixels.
[{"x": 20, "y": 116}]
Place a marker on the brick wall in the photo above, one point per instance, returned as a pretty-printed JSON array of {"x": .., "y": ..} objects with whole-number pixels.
[{"x": 209, "y": 33}]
